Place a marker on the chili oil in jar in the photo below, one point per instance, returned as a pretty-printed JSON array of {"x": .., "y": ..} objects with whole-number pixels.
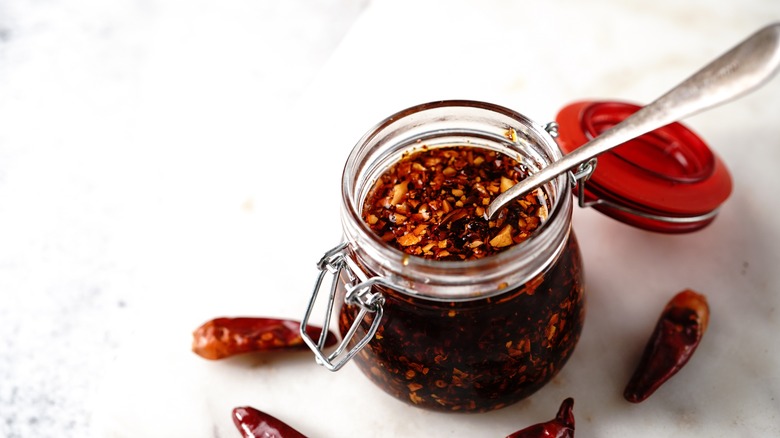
[{"x": 464, "y": 314}]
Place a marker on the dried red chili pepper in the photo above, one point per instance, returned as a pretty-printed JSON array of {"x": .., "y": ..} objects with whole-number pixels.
[
  {"x": 676, "y": 336},
  {"x": 225, "y": 337},
  {"x": 562, "y": 426},
  {"x": 257, "y": 424}
]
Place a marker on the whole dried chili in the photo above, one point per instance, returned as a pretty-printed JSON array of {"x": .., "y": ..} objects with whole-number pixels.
[
  {"x": 562, "y": 426},
  {"x": 676, "y": 336},
  {"x": 225, "y": 337},
  {"x": 253, "y": 423}
]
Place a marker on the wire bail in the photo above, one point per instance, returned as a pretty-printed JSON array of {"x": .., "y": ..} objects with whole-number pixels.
[
  {"x": 583, "y": 173},
  {"x": 358, "y": 292}
]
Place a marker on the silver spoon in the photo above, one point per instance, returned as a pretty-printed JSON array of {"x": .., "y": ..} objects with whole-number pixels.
[{"x": 735, "y": 73}]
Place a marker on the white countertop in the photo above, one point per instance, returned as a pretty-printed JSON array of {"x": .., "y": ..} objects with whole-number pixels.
[{"x": 146, "y": 187}]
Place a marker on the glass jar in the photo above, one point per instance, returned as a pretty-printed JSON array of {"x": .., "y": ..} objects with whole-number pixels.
[{"x": 469, "y": 336}]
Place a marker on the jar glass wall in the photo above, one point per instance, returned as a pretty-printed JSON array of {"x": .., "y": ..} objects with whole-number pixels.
[{"x": 471, "y": 335}]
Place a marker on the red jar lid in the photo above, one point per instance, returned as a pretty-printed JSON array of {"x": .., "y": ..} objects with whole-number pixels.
[{"x": 667, "y": 180}]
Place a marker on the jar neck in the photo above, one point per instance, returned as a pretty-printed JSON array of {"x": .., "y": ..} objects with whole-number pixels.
[{"x": 454, "y": 123}]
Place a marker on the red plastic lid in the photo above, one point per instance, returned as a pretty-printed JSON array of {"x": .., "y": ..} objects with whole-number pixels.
[{"x": 667, "y": 180}]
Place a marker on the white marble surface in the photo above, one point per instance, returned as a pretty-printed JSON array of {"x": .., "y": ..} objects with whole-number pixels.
[
  {"x": 131, "y": 136},
  {"x": 144, "y": 151}
]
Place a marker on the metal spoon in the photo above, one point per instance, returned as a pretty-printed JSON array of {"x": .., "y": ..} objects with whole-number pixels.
[{"x": 735, "y": 73}]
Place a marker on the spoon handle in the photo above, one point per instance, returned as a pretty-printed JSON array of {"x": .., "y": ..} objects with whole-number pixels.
[{"x": 735, "y": 73}]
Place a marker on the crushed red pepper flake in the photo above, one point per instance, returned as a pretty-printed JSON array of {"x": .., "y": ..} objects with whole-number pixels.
[{"x": 432, "y": 204}]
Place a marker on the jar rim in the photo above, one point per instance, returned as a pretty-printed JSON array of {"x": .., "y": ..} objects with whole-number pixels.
[{"x": 431, "y": 275}]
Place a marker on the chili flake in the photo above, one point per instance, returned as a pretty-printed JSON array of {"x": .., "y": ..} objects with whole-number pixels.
[{"x": 432, "y": 204}]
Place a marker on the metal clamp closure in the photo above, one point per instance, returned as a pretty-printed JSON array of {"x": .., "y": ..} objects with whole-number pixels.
[
  {"x": 585, "y": 171},
  {"x": 580, "y": 178},
  {"x": 358, "y": 292}
]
